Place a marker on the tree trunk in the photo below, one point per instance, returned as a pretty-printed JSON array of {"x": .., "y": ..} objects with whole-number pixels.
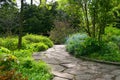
[
  {"x": 93, "y": 22},
  {"x": 99, "y": 35},
  {"x": 40, "y": 2},
  {"x": 31, "y": 2},
  {"x": 86, "y": 19},
  {"x": 21, "y": 26}
]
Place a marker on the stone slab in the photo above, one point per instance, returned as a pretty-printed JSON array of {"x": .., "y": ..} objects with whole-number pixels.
[
  {"x": 58, "y": 78},
  {"x": 57, "y": 67},
  {"x": 63, "y": 75}
]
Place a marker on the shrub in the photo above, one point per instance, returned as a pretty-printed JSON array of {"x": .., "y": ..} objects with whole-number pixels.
[
  {"x": 11, "y": 43},
  {"x": 7, "y": 70},
  {"x": 39, "y": 47},
  {"x": 91, "y": 46},
  {"x": 4, "y": 50},
  {"x": 35, "y": 70},
  {"x": 9, "y": 67},
  {"x": 116, "y": 39},
  {"x": 81, "y": 45},
  {"x": 7, "y": 60},
  {"x": 27, "y": 63},
  {"x": 23, "y": 53},
  {"x": 110, "y": 48},
  {"x": 11, "y": 75},
  {"x": 109, "y": 31},
  {"x": 30, "y": 38},
  {"x": 74, "y": 43},
  {"x": 112, "y": 34},
  {"x": 0, "y": 41},
  {"x": 60, "y": 32}
]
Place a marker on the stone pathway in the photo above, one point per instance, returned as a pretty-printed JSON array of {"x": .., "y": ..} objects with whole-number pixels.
[{"x": 67, "y": 67}]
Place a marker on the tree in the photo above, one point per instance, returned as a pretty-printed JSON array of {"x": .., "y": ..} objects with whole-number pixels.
[
  {"x": 31, "y": 2},
  {"x": 8, "y": 16},
  {"x": 96, "y": 15},
  {"x": 116, "y": 12},
  {"x": 104, "y": 16},
  {"x": 68, "y": 11},
  {"x": 38, "y": 20},
  {"x": 21, "y": 26},
  {"x": 8, "y": 19}
]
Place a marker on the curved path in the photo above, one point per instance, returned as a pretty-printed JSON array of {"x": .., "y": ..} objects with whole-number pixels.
[{"x": 67, "y": 67}]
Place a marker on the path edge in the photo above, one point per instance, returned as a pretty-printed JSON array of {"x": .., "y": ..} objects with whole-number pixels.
[{"x": 99, "y": 61}]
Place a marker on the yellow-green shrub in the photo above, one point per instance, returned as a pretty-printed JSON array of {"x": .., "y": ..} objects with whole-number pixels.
[
  {"x": 4, "y": 50},
  {"x": 11, "y": 43},
  {"x": 30, "y": 38},
  {"x": 39, "y": 47}
]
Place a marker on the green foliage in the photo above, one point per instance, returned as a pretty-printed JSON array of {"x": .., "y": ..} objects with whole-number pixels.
[
  {"x": 60, "y": 32},
  {"x": 8, "y": 19},
  {"x": 10, "y": 69},
  {"x": 75, "y": 43},
  {"x": 81, "y": 45},
  {"x": 30, "y": 38},
  {"x": 23, "y": 53},
  {"x": 39, "y": 47},
  {"x": 109, "y": 52},
  {"x": 34, "y": 70},
  {"x": 91, "y": 46},
  {"x": 10, "y": 75},
  {"x": 112, "y": 34},
  {"x": 109, "y": 31},
  {"x": 11, "y": 43},
  {"x": 7, "y": 61},
  {"x": 38, "y": 20},
  {"x": 4, "y": 50},
  {"x": 116, "y": 39},
  {"x": 27, "y": 63},
  {"x": 19, "y": 63}
]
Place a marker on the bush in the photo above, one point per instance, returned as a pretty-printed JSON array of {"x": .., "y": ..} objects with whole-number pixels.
[
  {"x": 0, "y": 41},
  {"x": 60, "y": 32},
  {"x": 27, "y": 63},
  {"x": 4, "y": 50},
  {"x": 112, "y": 34},
  {"x": 111, "y": 48},
  {"x": 35, "y": 70},
  {"x": 116, "y": 39},
  {"x": 7, "y": 70},
  {"x": 39, "y": 47},
  {"x": 74, "y": 43},
  {"x": 81, "y": 45},
  {"x": 91, "y": 46},
  {"x": 109, "y": 31},
  {"x": 30, "y": 38},
  {"x": 7, "y": 61},
  {"x": 11, "y": 43},
  {"x": 9, "y": 67},
  {"x": 11, "y": 75}
]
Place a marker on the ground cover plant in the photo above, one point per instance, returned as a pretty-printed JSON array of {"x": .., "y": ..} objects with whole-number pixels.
[{"x": 19, "y": 64}]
